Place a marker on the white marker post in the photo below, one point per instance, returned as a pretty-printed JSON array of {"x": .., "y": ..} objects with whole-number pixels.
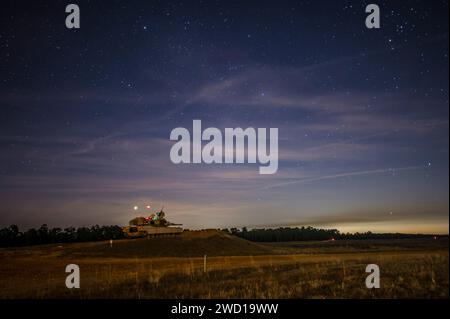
[{"x": 204, "y": 263}]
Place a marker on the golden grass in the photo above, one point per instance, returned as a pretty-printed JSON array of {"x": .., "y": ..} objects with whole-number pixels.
[{"x": 315, "y": 272}]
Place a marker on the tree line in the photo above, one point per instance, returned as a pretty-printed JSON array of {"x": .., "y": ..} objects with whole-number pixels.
[
  {"x": 283, "y": 234},
  {"x": 12, "y": 236}
]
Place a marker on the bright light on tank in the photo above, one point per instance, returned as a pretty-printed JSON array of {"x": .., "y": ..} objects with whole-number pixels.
[{"x": 135, "y": 208}]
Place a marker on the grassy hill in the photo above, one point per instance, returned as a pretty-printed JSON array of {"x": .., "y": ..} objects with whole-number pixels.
[
  {"x": 173, "y": 267},
  {"x": 188, "y": 244}
]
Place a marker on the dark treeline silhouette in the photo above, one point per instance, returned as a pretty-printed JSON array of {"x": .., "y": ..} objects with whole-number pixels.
[
  {"x": 11, "y": 236},
  {"x": 310, "y": 233}
]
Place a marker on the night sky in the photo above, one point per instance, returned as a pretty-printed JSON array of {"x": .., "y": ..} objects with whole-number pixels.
[{"x": 362, "y": 114}]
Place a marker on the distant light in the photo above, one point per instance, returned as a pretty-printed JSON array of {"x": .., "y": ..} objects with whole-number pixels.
[
  {"x": 135, "y": 208},
  {"x": 148, "y": 206}
]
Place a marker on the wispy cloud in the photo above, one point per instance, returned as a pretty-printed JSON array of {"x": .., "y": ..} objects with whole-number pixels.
[{"x": 347, "y": 174}]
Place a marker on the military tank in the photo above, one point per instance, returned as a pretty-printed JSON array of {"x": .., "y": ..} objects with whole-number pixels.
[{"x": 154, "y": 225}]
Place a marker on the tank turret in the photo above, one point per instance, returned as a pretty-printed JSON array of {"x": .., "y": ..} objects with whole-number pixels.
[{"x": 152, "y": 225}]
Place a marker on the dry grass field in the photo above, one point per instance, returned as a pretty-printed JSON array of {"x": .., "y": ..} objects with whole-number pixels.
[{"x": 236, "y": 268}]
